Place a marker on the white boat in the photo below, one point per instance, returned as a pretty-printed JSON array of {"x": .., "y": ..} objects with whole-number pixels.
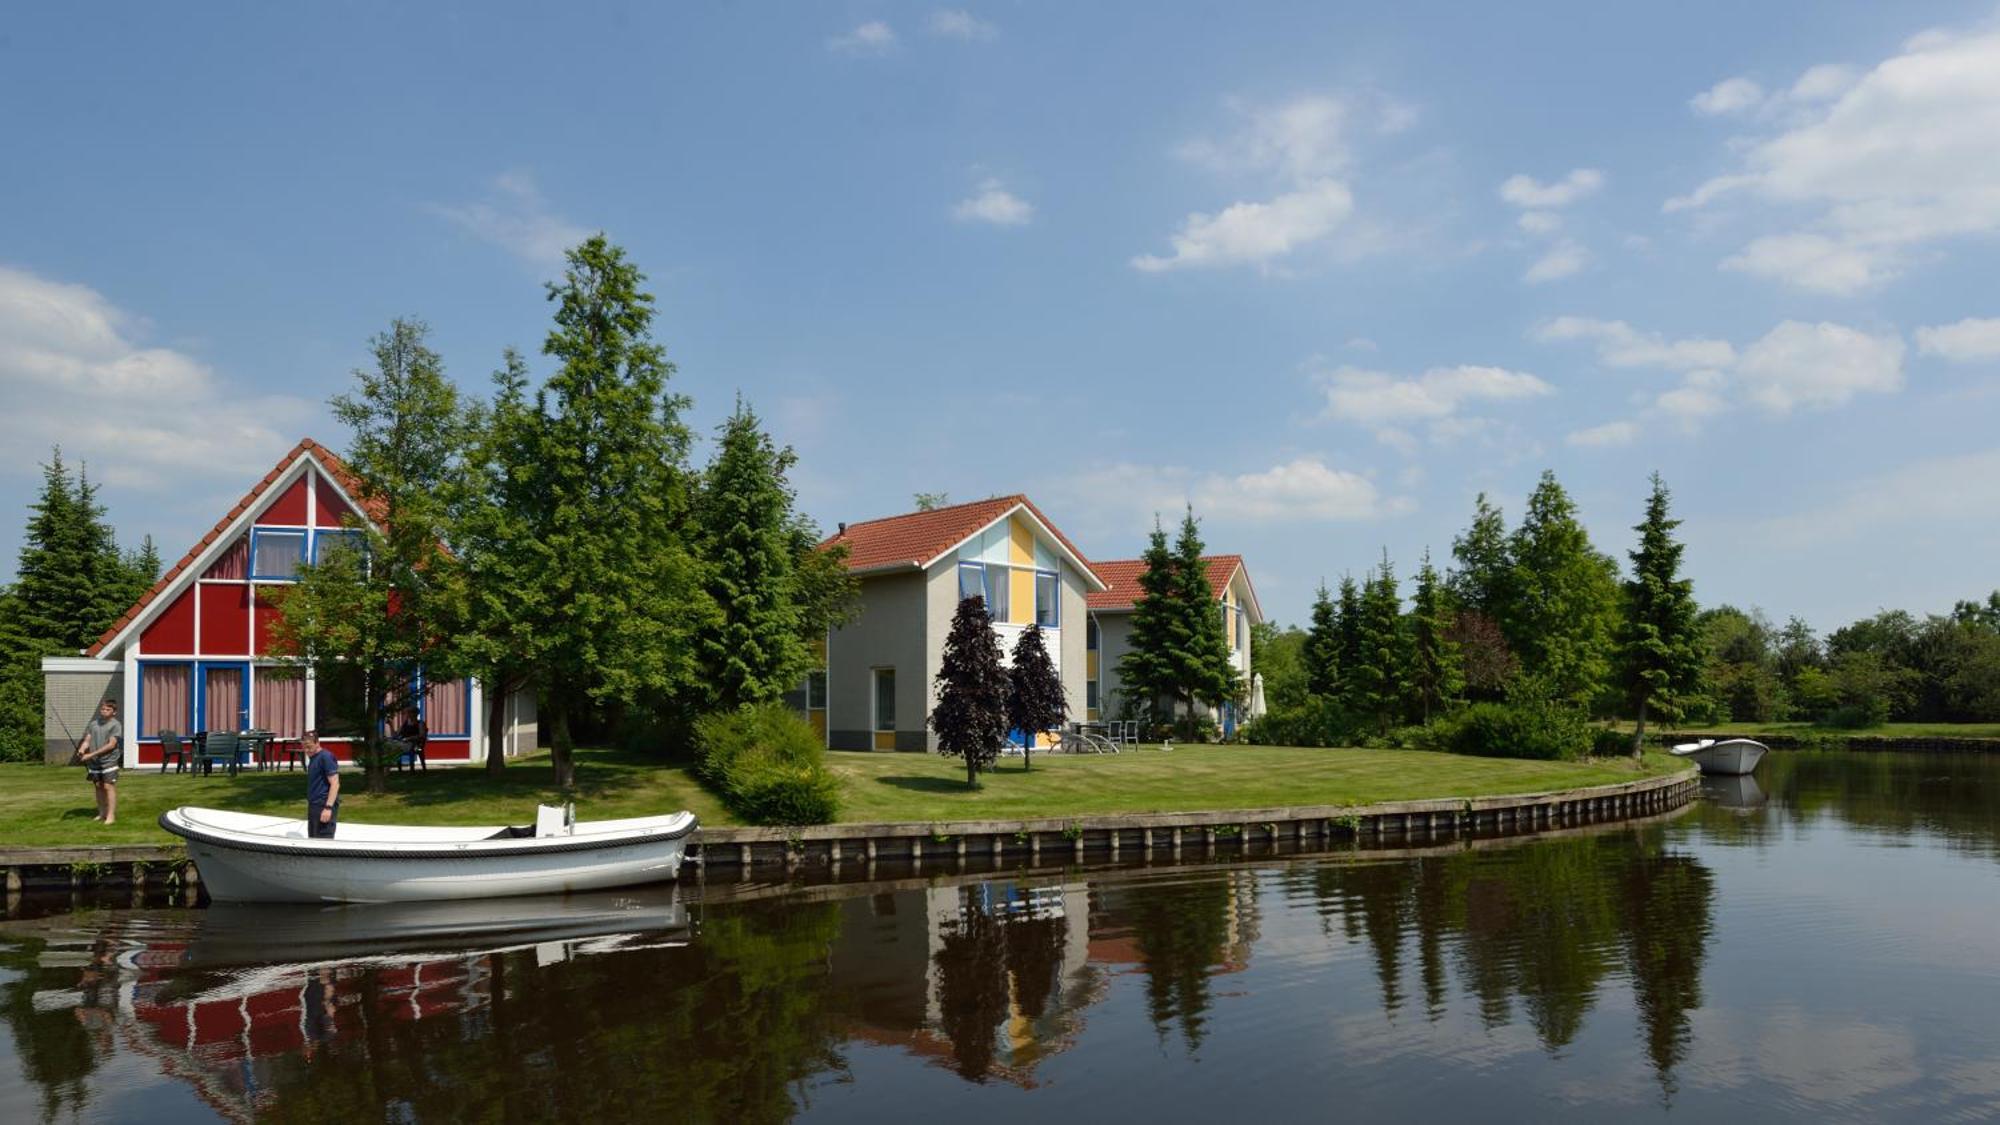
[
  {"x": 247, "y": 858},
  {"x": 1730, "y": 757}
]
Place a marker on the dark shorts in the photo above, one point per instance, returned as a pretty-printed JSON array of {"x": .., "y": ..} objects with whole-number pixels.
[
  {"x": 107, "y": 774},
  {"x": 319, "y": 831}
]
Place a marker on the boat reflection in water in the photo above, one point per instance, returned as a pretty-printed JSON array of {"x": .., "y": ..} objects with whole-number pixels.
[{"x": 1738, "y": 792}]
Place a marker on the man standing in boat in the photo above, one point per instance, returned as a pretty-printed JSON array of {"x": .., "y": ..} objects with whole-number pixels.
[{"x": 322, "y": 789}]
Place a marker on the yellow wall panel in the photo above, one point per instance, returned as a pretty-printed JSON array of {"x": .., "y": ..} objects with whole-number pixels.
[
  {"x": 1022, "y": 596},
  {"x": 1021, "y": 548}
]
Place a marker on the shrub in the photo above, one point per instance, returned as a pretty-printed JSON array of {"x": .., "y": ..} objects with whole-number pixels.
[
  {"x": 1608, "y": 743},
  {"x": 767, "y": 764},
  {"x": 1540, "y": 730}
]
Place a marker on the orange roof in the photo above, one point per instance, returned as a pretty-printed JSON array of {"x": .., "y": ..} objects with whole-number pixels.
[
  {"x": 1123, "y": 579},
  {"x": 914, "y": 540},
  {"x": 329, "y": 460}
]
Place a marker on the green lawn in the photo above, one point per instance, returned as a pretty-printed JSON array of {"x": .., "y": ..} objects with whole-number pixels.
[
  {"x": 51, "y": 806},
  {"x": 1886, "y": 730}
]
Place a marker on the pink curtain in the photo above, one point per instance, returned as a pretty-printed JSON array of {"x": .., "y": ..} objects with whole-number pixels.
[
  {"x": 280, "y": 703},
  {"x": 222, "y": 705},
  {"x": 165, "y": 694},
  {"x": 444, "y": 707},
  {"x": 234, "y": 563}
]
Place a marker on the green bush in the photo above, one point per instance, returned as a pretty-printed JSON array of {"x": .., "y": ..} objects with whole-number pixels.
[
  {"x": 767, "y": 764},
  {"x": 1608, "y": 743},
  {"x": 1540, "y": 730}
]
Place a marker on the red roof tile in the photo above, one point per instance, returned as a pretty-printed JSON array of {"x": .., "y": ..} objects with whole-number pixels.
[
  {"x": 335, "y": 468},
  {"x": 916, "y": 539},
  {"x": 1122, "y": 577}
]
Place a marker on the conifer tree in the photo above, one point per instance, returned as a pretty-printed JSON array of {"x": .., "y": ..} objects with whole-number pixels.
[
  {"x": 1483, "y": 579},
  {"x": 1659, "y": 644},
  {"x": 1347, "y": 628},
  {"x": 1378, "y": 674},
  {"x": 757, "y": 651},
  {"x": 1322, "y": 647},
  {"x": 1147, "y": 668},
  {"x": 1564, "y": 597},
  {"x": 970, "y": 716},
  {"x": 1436, "y": 666},
  {"x": 1206, "y": 672},
  {"x": 1035, "y": 698}
]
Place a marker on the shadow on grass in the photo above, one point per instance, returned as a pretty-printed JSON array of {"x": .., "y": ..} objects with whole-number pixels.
[
  {"x": 924, "y": 784},
  {"x": 84, "y": 813}
]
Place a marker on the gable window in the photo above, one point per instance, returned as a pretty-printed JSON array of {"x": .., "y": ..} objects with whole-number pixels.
[
  {"x": 342, "y": 539},
  {"x": 1047, "y": 613},
  {"x": 1242, "y": 627},
  {"x": 971, "y": 581},
  {"x": 998, "y": 592},
  {"x": 276, "y": 553}
]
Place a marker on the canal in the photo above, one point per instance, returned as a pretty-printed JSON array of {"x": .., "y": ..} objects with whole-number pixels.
[{"x": 1821, "y": 943}]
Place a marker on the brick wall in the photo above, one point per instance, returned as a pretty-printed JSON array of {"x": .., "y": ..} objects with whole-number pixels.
[{"x": 69, "y": 700}]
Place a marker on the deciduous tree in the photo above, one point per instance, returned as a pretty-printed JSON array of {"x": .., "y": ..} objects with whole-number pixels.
[
  {"x": 1564, "y": 597},
  {"x": 1035, "y": 698},
  {"x": 970, "y": 716}
]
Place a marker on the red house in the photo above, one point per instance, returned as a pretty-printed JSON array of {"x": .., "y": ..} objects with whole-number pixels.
[{"x": 195, "y": 654}]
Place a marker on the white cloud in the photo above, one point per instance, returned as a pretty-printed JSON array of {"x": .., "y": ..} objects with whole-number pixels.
[
  {"x": 1303, "y": 488},
  {"x": 515, "y": 217},
  {"x": 146, "y": 418},
  {"x": 1798, "y": 364},
  {"x": 1813, "y": 261},
  {"x": 1731, "y": 95},
  {"x": 1969, "y": 340},
  {"x": 993, "y": 203},
  {"x": 1300, "y": 140},
  {"x": 1539, "y": 222},
  {"x": 1256, "y": 233},
  {"x": 1362, "y": 344},
  {"x": 1621, "y": 345},
  {"x": 957, "y": 23},
  {"x": 1899, "y": 158},
  {"x": 1564, "y": 259},
  {"x": 871, "y": 38},
  {"x": 1381, "y": 400},
  {"x": 1526, "y": 191},
  {"x": 1939, "y": 491},
  {"x": 1699, "y": 396},
  {"x": 1609, "y": 434}
]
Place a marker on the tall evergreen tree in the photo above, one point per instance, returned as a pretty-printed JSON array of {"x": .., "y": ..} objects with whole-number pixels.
[
  {"x": 1378, "y": 674},
  {"x": 387, "y": 609},
  {"x": 970, "y": 716},
  {"x": 618, "y": 594},
  {"x": 1322, "y": 647},
  {"x": 1483, "y": 579},
  {"x": 1437, "y": 673},
  {"x": 1348, "y": 637},
  {"x": 1207, "y": 673},
  {"x": 1565, "y": 597},
  {"x": 1659, "y": 644},
  {"x": 1147, "y": 669},
  {"x": 1035, "y": 698},
  {"x": 758, "y": 650}
]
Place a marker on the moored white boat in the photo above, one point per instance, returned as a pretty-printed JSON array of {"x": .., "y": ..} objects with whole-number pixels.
[
  {"x": 1729, "y": 757},
  {"x": 243, "y": 857}
]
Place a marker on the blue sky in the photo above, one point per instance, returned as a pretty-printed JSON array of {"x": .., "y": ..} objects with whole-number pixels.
[{"x": 1326, "y": 271}]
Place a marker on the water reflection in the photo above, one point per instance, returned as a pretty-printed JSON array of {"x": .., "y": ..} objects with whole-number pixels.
[{"x": 1488, "y": 977}]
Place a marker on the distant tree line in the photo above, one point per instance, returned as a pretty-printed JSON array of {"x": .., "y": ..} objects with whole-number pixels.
[{"x": 71, "y": 581}]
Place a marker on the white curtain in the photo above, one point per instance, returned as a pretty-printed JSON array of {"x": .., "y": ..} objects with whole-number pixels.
[
  {"x": 165, "y": 692},
  {"x": 280, "y": 703}
]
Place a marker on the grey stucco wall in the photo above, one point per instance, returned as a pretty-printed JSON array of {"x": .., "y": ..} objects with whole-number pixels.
[
  {"x": 887, "y": 632},
  {"x": 70, "y": 699},
  {"x": 1075, "y": 659},
  {"x": 1114, "y": 640}
]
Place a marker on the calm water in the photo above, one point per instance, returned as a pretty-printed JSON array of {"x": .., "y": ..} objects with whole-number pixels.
[{"x": 1823, "y": 945}]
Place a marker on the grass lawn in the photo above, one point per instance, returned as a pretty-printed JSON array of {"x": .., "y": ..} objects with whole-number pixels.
[
  {"x": 1886, "y": 730},
  {"x": 51, "y": 806}
]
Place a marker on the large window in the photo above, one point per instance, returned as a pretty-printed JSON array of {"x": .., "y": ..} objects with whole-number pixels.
[
  {"x": 278, "y": 703},
  {"x": 166, "y": 699},
  {"x": 1047, "y": 600},
  {"x": 327, "y": 542},
  {"x": 447, "y": 707},
  {"x": 276, "y": 553},
  {"x": 1090, "y": 635},
  {"x": 341, "y": 703},
  {"x": 885, "y": 699},
  {"x": 1242, "y": 627},
  {"x": 999, "y": 592}
]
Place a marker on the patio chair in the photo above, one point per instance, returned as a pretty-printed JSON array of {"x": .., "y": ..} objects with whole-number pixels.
[
  {"x": 172, "y": 749},
  {"x": 220, "y": 746},
  {"x": 409, "y": 749}
]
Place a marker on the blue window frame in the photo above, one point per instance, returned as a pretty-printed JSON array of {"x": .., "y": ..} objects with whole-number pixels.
[
  {"x": 999, "y": 593},
  {"x": 201, "y": 700},
  {"x": 1048, "y": 600},
  {"x": 325, "y": 541},
  {"x": 276, "y": 553},
  {"x": 971, "y": 581},
  {"x": 182, "y": 725}
]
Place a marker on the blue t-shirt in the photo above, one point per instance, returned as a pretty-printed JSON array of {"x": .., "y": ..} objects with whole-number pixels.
[{"x": 320, "y": 769}]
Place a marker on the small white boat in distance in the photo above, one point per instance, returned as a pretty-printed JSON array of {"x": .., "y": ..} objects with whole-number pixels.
[
  {"x": 1731, "y": 757},
  {"x": 247, "y": 858}
]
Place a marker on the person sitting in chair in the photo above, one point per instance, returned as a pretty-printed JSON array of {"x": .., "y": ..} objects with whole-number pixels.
[{"x": 409, "y": 741}]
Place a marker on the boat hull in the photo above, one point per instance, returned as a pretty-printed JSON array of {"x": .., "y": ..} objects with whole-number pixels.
[
  {"x": 1732, "y": 757},
  {"x": 242, "y": 867}
]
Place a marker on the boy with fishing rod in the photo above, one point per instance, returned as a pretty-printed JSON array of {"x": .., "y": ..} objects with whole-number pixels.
[{"x": 102, "y": 751}]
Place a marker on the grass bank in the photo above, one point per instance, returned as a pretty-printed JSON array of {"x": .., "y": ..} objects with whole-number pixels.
[{"x": 46, "y": 806}]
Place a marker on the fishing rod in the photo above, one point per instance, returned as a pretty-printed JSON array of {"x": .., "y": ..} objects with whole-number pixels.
[{"x": 75, "y": 746}]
